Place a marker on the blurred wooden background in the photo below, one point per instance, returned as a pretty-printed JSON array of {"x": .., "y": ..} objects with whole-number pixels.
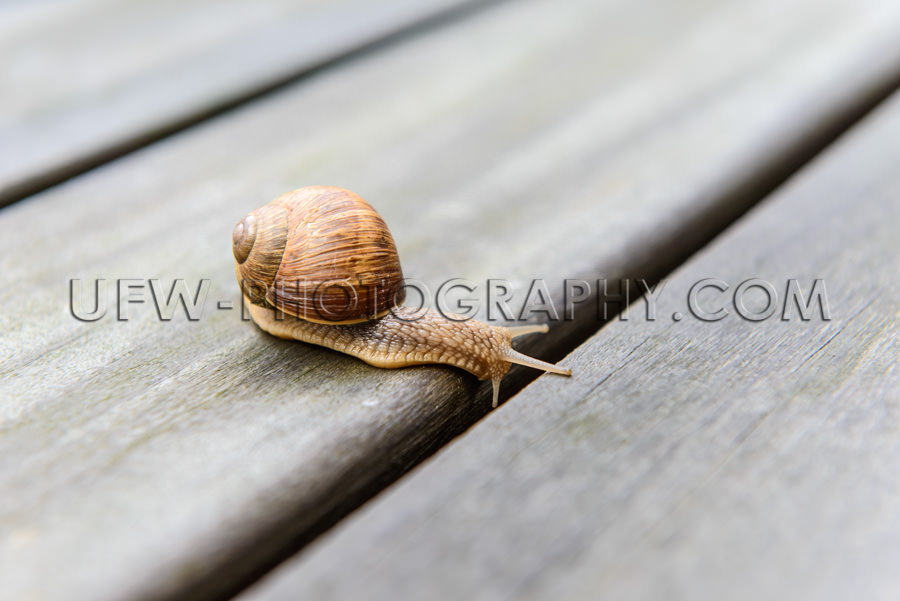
[{"x": 671, "y": 142}]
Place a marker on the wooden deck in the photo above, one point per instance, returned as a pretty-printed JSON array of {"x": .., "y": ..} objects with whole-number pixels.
[{"x": 144, "y": 458}]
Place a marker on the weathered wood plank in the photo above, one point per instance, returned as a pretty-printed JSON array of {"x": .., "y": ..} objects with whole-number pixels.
[
  {"x": 688, "y": 459},
  {"x": 157, "y": 459},
  {"x": 85, "y": 81}
]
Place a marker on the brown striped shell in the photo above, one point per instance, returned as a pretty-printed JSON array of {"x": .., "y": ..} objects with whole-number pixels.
[{"x": 320, "y": 253}]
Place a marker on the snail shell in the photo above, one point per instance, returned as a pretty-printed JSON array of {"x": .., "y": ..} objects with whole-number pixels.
[{"x": 320, "y": 253}]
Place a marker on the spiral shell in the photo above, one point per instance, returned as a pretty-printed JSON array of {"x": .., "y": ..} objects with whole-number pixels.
[{"x": 319, "y": 253}]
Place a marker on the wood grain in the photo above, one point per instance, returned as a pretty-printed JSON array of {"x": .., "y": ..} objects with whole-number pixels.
[
  {"x": 85, "y": 81},
  {"x": 149, "y": 459},
  {"x": 689, "y": 459}
]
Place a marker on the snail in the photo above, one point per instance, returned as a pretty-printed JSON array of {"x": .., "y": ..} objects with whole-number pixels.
[{"x": 318, "y": 264}]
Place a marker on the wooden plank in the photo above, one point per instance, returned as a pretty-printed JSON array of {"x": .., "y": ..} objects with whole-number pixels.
[
  {"x": 154, "y": 459},
  {"x": 691, "y": 459},
  {"x": 85, "y": 81}
]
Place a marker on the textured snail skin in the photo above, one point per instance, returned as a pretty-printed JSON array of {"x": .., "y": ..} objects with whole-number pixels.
[
  {"x": 320, "y": 235},
  {"x": 406, "y": 337}
]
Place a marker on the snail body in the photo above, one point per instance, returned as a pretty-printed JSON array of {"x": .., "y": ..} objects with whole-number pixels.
[{"x": 319, "y": 265}]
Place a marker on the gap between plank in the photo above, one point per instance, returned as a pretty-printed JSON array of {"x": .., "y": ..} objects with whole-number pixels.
[
  {"x": 696, "y": 235},
  {"x": 53, "y": 177}
]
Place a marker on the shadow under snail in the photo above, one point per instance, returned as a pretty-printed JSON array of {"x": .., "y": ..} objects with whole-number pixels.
[{"x": 319, "y": 265}]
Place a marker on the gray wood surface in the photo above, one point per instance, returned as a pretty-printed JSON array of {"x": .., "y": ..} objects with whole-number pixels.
[
  {"x": 147, "y": 460},
  {"x": 86, "y": 80},
  {"x": 688, "y": 459}
]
